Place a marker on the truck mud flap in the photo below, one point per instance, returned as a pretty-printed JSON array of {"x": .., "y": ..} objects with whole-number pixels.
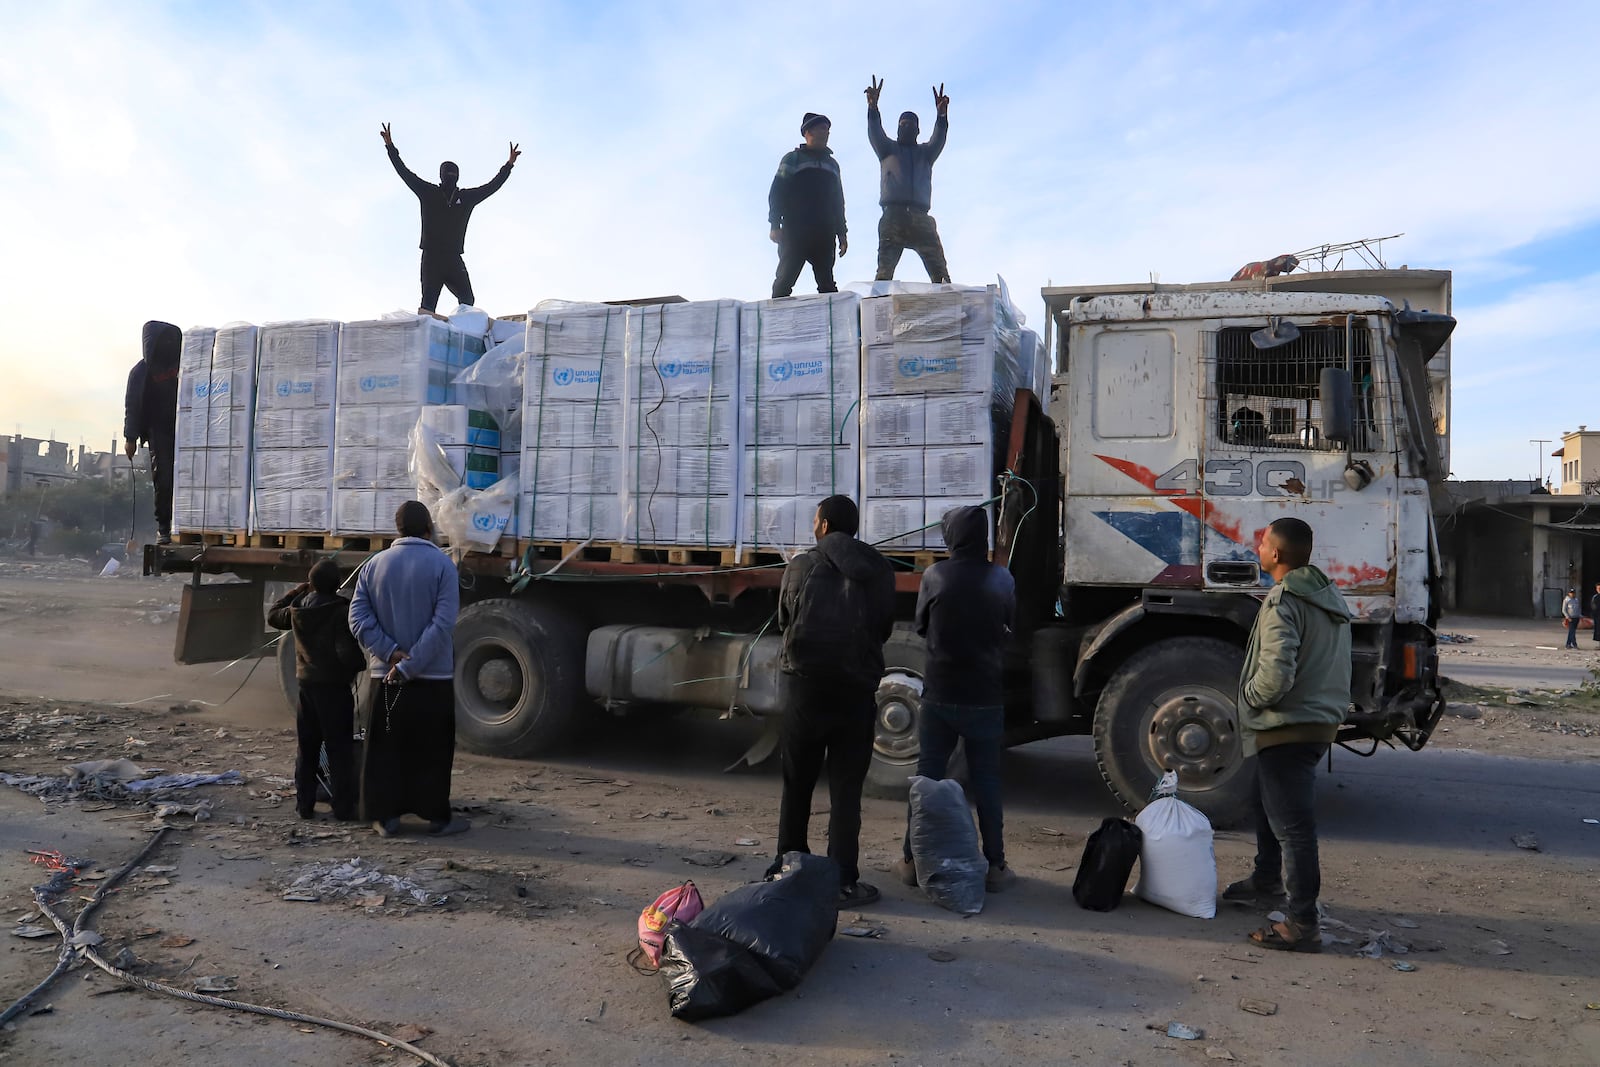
[{"x": 220, "y": 622}]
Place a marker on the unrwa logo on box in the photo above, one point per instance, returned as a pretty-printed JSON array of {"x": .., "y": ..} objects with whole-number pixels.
[
  {"x": 917, "y": 366},
  {"x": 565, "y": 376},
  {"x": 784, "y": 370},
  {"x": 684, "y": 368},
  {"x": 488, "y": 521},
  {"x": 295, "y": 388},
  {"x": 374, "y": 382}
]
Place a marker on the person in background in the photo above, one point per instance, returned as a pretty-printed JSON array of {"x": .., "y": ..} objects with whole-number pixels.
[
  {"x": 446, "y": 210},
  {"x": 150, "y": 413},
  {"x": 1572, "y": 611},
  {"x": 404, "y": 615},
  {"x": 905, "y": 187},
  {"x": 965, "y": 610},
  {"x": 326, "y": 662},
  {"x": 835, "y": 611},
  {"x": 805, "y": 210},
  {"x": 1594, "y": 614},
  {"x": 1294, "y": 693}
]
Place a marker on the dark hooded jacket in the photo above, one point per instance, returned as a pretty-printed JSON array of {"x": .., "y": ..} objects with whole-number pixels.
[
  {"x": 965, "y": 611},
  {"x": 907, "y": 177},
  {"x": 324, "y": 650},
  {"x": 445, "y": 213},
  {"x": 150, "y": 408},
  {"x": 806, "y": 194},
  {"x": 835, "y": 610}
]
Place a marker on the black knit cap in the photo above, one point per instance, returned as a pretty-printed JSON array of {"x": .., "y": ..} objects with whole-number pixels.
[{"x": 811, "y": 119}]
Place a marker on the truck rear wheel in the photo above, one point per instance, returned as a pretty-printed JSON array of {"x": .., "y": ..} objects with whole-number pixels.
[
  {"x": 519, "y": 677},
  {"x": 895, "y": 746},
  {"x": 1171, "y": 707},
  {"x": 286, "y": 679}
]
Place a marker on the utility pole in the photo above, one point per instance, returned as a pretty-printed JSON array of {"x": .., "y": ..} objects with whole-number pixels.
[{"x": 1539, "y": 443}]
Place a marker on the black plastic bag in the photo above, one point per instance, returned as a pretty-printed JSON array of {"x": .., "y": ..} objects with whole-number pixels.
[
  {"x": 707, "y": 975},
  {"x": 785, "y": 923},
  {"x": 1107, "y": 863},
  {"x": 753, "y": 943},
  {"x": 944, "y": 843}
]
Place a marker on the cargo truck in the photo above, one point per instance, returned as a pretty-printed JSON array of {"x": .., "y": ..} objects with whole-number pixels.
[{"x": 1181, "y": 420}]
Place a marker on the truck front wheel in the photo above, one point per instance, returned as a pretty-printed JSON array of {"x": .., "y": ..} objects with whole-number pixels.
[
  {"x": 1171, "y": 707},
  {"x": 898, "y": 707},
  {"x": 519, "y": 677}
]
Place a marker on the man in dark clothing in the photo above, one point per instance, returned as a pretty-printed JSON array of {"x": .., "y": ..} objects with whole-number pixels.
[
  {"x": 446, "y": 210},
  {"x": 805, "y": 208},
  {"x": 965, "y": 610},
  {"x": 835, "y": 610},
  {"x": 906, "y": 187},
  {"x": 326, "y": 661},
  {"x": 150, "y": 413},
  {"x": 1594, "y": 614}
]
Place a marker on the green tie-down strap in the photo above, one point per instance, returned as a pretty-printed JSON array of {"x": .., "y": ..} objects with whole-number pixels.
[{"x": 716, "y": 335}]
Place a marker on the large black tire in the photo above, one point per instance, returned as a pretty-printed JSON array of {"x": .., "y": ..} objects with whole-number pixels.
[
  {"x": 899, "y": 711},
  {"x": 286, "y": 679},
  {"x": 519, "y": 677},
  {"x": 1171, "y": 707}
]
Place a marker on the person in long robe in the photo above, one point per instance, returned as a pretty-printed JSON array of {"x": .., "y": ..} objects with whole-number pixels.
[{"x": 404, "y": 614}]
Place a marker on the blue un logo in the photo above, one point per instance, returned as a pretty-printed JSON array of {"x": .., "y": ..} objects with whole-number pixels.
[
  {"x": 283, "y": 388},
  {"x": 780, "y": 371},
  {"x": 484, "y": 522},
  {"x": 368, "y": 384},
  {"x": 562, "y": 376},
  {"x": 911, "y": 367},
  {"x": 670, "y": 369}
]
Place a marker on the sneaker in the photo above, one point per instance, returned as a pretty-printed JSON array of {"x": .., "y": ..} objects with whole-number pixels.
[
  {"x": 386, "y": 827},
  {"x": 1245, "y": 891},
  {"x": 906, "y": 871},
  {"x": 999, "y": 879},
  {"x": 164, "y": 539},
  {"x": 857, "y": 895},
  {"x": 307, "y": 813},
  {"x": 454, "y": 825}
]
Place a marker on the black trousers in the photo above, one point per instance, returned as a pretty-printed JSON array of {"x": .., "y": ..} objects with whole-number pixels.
[
  {"x": 410, "y": 746},
  {"x": 162, "y": 448},
  {"x": 832, "y": 721},
  {"x": 442, "y": 269},
  {"x": 326, "y": 717},
  {"x": 1286, "y": 826},
  {"x": 795, "y": 250}
]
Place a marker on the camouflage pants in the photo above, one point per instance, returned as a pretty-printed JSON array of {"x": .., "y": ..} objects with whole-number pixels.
[{"x": 904, "y": 227}]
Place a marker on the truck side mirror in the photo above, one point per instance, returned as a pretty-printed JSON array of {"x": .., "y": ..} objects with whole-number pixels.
[{"x": 1337, "y": 397}]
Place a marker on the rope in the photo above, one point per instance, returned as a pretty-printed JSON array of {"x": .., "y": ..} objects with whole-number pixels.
[
  {"x": 755, "y": 461},
  {"x": 538, "y": 430},
  {"x": 711, "y": 404},
  {"x": 70, "y": 952}
]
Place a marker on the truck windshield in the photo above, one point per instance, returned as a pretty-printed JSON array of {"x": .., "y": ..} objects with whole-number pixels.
[{"x": 1267, "y": 398}]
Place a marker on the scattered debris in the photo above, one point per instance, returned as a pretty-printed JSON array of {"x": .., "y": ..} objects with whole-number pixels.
[
  {"x": 1522, "y": 702},
  {"x": 410, "y": 1033},
  {"x": 1455, "y": 639},
  {"x": 1495, "y": 947},
  {"x": 1592, "y": 822},
  {"x": 1528, "y": 840},
  {"x": 1404, "y": 924},
  {"x": 709, "y": 859},
  {"x": 1050, "y": 831},
  {"x": 216, "y": 983},
  {"x": 1464, "y": 711},
  {"x": 302, "y": 896},
  {"x": 30, "y": 931},
  {"x": 941, "y": 955},
  {"x": 747, "y": 842},
  {"x": 1403, "y": 967},
  {"x": 1258, "y": 1007},
  {"x": 343, "y": 879},
  {"x": 176, "y": 941},
  {"x": 1217, "y": 1052},
  {"x": 1180, "y": 1031},
  {"x": 1523, "y": 1017},
  {"x": 862, "y": 931}
]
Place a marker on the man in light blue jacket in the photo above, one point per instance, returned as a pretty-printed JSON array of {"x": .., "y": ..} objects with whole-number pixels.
[{"x": 404, "y": 615}]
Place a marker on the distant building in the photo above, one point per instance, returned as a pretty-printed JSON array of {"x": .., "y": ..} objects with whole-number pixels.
[
  {"x": 1510, "y": 548},
  {"x": 33, "y": 461},
  {"x": 1580, "y": 462}
]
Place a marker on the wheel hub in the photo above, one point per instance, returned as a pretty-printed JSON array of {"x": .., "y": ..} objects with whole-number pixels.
[
  {"x": 1193, "y": 731},
  {"x": 499, "y": 680},
  {"x": 899, "y": 701}
]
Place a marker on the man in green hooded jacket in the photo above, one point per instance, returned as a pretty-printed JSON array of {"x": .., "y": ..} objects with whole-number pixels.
[{"x": 1294, "y": 692}]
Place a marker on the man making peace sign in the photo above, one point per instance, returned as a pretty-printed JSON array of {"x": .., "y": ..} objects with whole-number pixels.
[{"x": 906, "y": 188}]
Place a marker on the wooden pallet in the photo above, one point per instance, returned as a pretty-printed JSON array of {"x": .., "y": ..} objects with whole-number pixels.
[
  {"x": 289, "y": 542},
  {"x": 215, "y": 538}
]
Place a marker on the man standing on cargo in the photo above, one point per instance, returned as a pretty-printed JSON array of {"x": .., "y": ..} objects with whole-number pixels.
[
  {"x": 446, "y": 210},
  {"x": 1294, "y": 692},
  {"x": 835, "y": 611},
  {"x": 965, "y": 609},
  {"x": 906, "y": 188},
  {"x": 150, "y": 413},
  {"x": 404, "y": 615},
  {"x": 805, "y": 208}
]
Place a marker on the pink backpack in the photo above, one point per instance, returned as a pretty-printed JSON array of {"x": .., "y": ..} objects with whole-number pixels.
[{"x": 682, "y": 903}]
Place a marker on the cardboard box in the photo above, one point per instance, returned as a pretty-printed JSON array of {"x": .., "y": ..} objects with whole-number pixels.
[
  {"x": 894, "y": 422},
  {"x": 894, "y": 524},
  {"x": 893, "y": 472},
  {"x": 961, "y": 471},
  {"x": 769, "y": 472}
]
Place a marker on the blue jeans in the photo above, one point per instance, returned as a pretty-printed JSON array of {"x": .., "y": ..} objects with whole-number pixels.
[
  {"x": 1286, "y": 826},
  {"x": 1572, "y": 633},
  {"x": 939, "y": 729}
]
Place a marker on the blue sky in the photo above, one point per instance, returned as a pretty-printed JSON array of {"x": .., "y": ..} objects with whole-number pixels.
[{"x": 208, "y": 163}]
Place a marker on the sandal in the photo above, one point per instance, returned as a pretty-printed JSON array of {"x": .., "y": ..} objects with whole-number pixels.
[{"x": 1287, "y": 937}]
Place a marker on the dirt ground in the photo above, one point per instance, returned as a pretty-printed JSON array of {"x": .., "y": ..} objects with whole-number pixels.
[{"x": 515, "y": 951}]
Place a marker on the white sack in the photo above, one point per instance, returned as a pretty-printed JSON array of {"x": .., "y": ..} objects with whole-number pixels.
[{"x": 1177, "y": 862}]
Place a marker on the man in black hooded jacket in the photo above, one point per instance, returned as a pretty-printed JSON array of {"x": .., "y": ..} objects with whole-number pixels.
[
  {"x": 835, "y": 610},
  {"x": 965, "y": 610},
  {"x": 446, "y": 211},
  {"x": 150, "y": 413},
  {"x": 326, "y": 660},
  {"x": 805, "y": 210}
]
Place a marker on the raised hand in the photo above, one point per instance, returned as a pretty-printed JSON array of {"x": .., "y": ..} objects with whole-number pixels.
[
  {"x": 872, "y": 91},
  {"x": 515, "y": 152},
  {"x": 941, "y": 102},
  {"x": 387, "y": 140}
]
